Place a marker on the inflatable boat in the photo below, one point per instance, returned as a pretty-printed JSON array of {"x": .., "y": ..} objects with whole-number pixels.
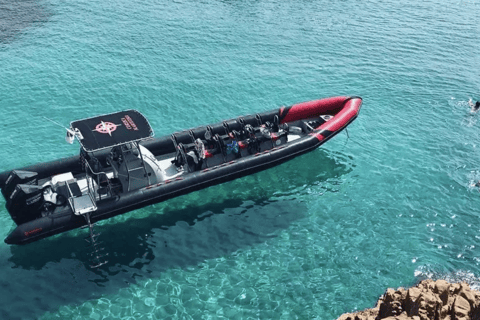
[{"x": 122, "y": 167}]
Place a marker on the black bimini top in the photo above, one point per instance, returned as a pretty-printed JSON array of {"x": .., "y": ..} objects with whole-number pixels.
[{"x": 113, "y": 129}]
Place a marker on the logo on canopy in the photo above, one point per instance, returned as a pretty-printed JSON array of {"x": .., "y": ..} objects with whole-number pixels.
[{"x": 106, "y": 127}]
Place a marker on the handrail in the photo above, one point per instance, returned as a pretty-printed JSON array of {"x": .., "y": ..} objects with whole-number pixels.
[
  {"x": 126, "y": 167},
  {"x": 143, "y": 163},
  {"x": 93, "y": 172},
  {"x": 98, "y": 176},
  {"x": 94, "y": 200},
  {"x": 71, "y": 202}
]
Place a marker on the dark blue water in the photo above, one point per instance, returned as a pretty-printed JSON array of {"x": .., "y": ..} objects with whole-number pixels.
[{"x": 385, "y": 206}]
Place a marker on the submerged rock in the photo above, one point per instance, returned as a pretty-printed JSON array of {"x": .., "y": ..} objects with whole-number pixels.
[{"x": 429, "y": 300}]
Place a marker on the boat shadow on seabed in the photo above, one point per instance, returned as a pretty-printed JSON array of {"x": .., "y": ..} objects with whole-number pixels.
[{"x": 203, "y": 225}]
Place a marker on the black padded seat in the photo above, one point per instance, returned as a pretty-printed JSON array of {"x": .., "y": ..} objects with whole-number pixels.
[{"x": 75, "y": 189}]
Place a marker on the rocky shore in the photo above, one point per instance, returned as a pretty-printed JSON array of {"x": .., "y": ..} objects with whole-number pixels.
[{"x": 429, "y": 300}]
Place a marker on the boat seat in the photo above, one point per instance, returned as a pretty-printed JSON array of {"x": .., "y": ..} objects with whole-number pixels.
[
  {"x": 193, "y": 160},
  {"x": 275, "y": 124},
  {"x": 132, "y": 174},
  {"x": 74, "y": 189},
  {"x": 191, "y": 157},
  {"x": 180, "y": 156},
  {"x": 220, "y": 145}
]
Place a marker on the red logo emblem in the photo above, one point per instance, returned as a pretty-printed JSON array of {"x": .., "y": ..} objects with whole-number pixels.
[{"x": 106, "y": 127}]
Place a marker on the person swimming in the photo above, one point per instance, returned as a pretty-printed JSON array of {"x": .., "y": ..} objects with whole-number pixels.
[{"x": 474, "y": 107}]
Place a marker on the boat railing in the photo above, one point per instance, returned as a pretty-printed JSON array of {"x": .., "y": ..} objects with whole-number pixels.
[
  {"x": 130, "y": 169},
  {"x": 90, "y": 185}
]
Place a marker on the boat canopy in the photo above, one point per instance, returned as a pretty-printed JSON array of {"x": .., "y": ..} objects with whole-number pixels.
[{"x": 109, "y": 130}]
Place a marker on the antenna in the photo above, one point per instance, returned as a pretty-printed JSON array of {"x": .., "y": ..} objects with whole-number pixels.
[
  {"x": 55, "y": 122},
  {"x": 70, "y": 133}
]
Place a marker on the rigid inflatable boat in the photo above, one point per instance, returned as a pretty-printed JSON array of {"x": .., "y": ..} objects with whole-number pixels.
[{"x": 122, "y": 167}]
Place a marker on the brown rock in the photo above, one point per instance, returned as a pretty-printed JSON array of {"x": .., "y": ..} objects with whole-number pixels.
[
  {"x": 455, "y": 288},
  {"x": 445, "y": 311},
  {"x": 451, "y": 300},
  {"x": 429, "y": 300},
  {"x": 432, "y": 306},
  {"x": 428, "y": 285},
  {"x": 368, "y": 314},
  {"x": 391, "y": 304},
  {"x": 412, "y": 304},
  {"x": 461, "y": 309},
  {"x": 442, "y": 289},
  {"x": 403, "y": 316},
  {"x": 467, "y": 293}
]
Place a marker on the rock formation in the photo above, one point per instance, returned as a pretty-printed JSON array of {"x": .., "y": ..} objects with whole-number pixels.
[{"x": 429, "y": 300}]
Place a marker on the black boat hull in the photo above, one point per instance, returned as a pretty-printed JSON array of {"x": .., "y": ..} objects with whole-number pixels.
[{"x": 64, "y": 220}]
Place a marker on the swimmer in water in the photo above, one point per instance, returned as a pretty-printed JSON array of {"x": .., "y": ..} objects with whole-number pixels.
[
  {"x": 474, "y": 107},
  {"x": 474, "y": 184}
]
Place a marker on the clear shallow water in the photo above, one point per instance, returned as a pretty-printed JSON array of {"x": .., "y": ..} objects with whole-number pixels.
[{"x": 312, "y": 238}]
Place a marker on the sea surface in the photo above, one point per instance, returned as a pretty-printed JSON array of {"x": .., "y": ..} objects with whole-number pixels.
[{"x": 386, "y": 205}]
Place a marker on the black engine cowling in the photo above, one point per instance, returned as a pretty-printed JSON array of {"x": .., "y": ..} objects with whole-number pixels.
[
  {"x": 25, "y": 203},
  {"x": 18, "y": 177}
]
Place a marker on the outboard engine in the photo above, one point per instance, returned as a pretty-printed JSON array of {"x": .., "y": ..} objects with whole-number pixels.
[
  {"x": 25, "y": 203},
  {"x": 18, "y": 177}
]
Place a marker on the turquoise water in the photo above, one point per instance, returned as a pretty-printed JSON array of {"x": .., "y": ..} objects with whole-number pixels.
[{"x": 385, "y": 206}]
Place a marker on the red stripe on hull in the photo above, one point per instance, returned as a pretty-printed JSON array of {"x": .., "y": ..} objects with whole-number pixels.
[{"x": 319, "y": 137}]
